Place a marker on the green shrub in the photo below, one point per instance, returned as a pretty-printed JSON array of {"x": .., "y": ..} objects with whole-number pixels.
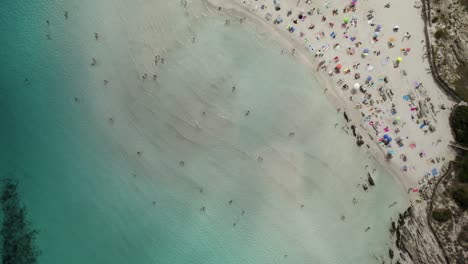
[
  {"x": 459, "y": 122},
  {"x": 462, "y": 167},
  {"x": 460, "y": 195},
  {"x": 442, "y": 215},
  {"x": 460, "y": 85},
  {"x": 440, "y": 33}
]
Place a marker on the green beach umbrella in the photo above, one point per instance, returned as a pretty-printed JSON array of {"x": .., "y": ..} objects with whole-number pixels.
[{"x": 346, "y": 20}]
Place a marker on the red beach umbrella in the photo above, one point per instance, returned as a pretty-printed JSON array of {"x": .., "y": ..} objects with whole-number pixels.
[{"x": 339, "y": 66}]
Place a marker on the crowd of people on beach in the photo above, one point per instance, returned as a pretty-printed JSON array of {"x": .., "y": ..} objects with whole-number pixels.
[{"x": 334, "y": 36}]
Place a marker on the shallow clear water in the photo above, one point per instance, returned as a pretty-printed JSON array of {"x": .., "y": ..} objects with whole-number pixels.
[{"x": 91, "y": 195}]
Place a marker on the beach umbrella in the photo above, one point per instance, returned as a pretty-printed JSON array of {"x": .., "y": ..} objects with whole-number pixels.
[
  {"x": 366, "y": 51},
  {"x": 379, "y": 27},
  {"x": 392, "y": 39},
  {"x": 408, "y": 49},
  {"x": 399, "y": 59},
  {"x": 357, "y": 85},
  {"x": 339, "y": 66},
  {"x": 376, "y": 34},
  {"x": 369, "y": 78},
  {"x": 346, "y": 20}
]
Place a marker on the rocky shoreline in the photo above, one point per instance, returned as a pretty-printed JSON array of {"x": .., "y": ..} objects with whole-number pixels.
[{"x": 421, "y": 239}]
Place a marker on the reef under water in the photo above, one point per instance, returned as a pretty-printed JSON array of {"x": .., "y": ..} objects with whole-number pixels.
[{"x": 18, "y": 236}]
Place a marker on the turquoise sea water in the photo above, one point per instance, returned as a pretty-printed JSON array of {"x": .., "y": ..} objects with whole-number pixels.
[{"x": 91, "y": 195}]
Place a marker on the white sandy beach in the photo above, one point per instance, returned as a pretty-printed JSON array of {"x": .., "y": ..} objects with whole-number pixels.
[{"x": 426, "y": 152}]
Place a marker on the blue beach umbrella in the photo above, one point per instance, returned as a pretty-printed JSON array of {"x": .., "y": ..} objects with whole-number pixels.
[
  {"x": 366, "y": 50},
  {"x": 369, "y": 78}
]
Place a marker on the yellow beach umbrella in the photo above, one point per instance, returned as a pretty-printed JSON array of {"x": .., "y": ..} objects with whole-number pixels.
[{"x": 399, "y": 59}]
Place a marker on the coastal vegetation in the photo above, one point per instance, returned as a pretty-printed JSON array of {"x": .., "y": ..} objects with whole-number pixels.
[
  {"x": 464, "y": 4},
  {"x": 460, "y": 195},
  {"x": 460, "y": 85},
  {"x": 18, "y": 237},
  {"x": 463, "y": 169},
  {"x": 459, "y": 123},
  {"x": 440, "y": 33},
  {"x": 442, "y": 215}
]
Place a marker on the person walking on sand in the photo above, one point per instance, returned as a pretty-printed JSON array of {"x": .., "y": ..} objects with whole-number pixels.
[{"x": 406, "y": 36}]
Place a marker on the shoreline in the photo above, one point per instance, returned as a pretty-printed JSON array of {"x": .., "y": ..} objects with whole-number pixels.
[{"x": 332, "y": 90}]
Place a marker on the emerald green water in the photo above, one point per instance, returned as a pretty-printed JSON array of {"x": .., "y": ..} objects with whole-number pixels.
[{"x": 91, "y": 195}]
